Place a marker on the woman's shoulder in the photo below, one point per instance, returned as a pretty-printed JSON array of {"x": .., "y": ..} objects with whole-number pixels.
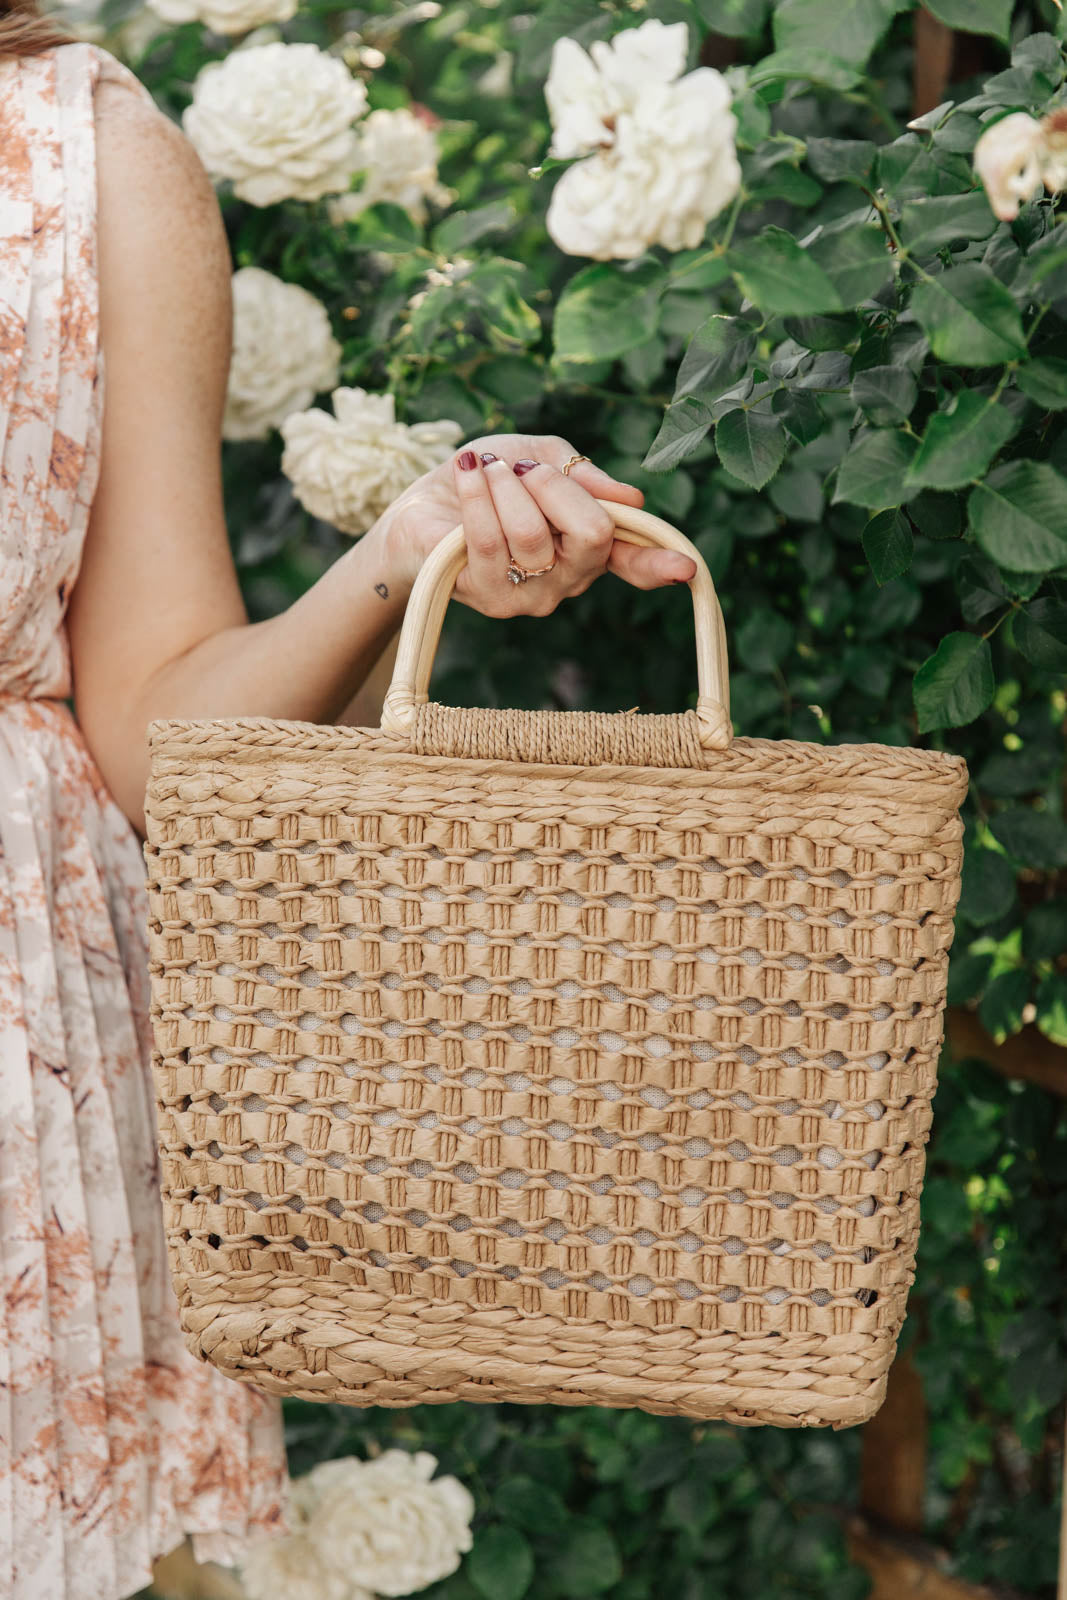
[
  {"x": 142, "y": 156},
  {"x": 162, "y": 245},
  {"x": 119, "y": 95}
]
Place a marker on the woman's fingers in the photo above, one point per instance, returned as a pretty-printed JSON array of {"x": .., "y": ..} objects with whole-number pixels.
[
  {"x": 487, "y": 551},
  {"x": 586, "y": 530},
  {"x": 600, "y": 484},
  {"x": 647, "y": 568},
  {"x": 525, "y": 527}
]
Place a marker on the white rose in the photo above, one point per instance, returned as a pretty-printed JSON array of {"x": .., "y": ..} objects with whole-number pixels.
[
  {"x": 277, "y": 120},
  {"x": 660, "y": 155},
  {"x": 284, "y": 353},
  {"x": 1054, "y": 151},
  {"x": 226, "y": 16},
  {"x": 397, "y": 154},
  {"x": 389, "y": 1522},
  {"x": 1008, "y": 160},
  {"x": 350, "y": 467},
  {"x": 288, "y": 1567}
]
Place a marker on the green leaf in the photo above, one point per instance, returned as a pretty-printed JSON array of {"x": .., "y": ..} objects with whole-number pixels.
[
  {"x": 764, "y": 640},
  {"x": 737, "y": 19},
  {"x": 906, "y": 167},
  {"x": 501, "y": 1564},
  {"x": 467, "y": 227},
  {"x": 959, "y": 444},
  {"x": 857, "y": 26},
  {"x": 885, "y": 395},
  {"x": 842, "y": 160},
  {"x": 980, "y": 588},
  {"x": 974, "y": 16},
  {"x": 824, "y": 333},
  {"x": 751, "y": 445},
  {"x": 515, "y": 381},
  {"x": 1050, "y": 1002},
  {"x": 802, "y": 416},
  {"x": 780, "y": 277},
  {"x": 684, "y": 426},
  {"x": 969, "y": 317},
  {"x": 797, "y": 494},
  {"x": 955, "y": 684},
  {"x": 1045, "y": 380},
  {"x": 604, "y": 312},
  {"x": 1019, "y": 516},
  {"x": 584, "y": 1559},
  {"x": 811, "y": 64},
  {"x": 1001, "y": 1010},
  {"x": 1007, "y": 773},
  {"x": 856, "y": 260},
  {"x": 888, "y": 545},
  {"x": 1036, "y": 838},
  {"x": 967, "y": 974},
  {"x": 1045, "y": 931},
  {"x": 872, "y": 473},
  {"x": 694, "y": 270},
  {"x": 926, "y": 226},
  {"x": 717, "y": 355},
  {"x": 534, "y": 1507},
  {"x": 988, "y": 891},
  {"x": 383, "y": 227},
  {"x": 1041, "y": 633},
  {"x": 939, "y": 516},
  {"x": 507, "y": 318}
]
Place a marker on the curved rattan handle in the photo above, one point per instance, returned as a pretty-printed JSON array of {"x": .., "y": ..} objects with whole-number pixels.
[{"x": 433, "y": 589}]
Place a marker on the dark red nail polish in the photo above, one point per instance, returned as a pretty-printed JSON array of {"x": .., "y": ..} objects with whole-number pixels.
[
  {"x": 524, "y": 466},
  {"x": 487, "y": 457},
  {"x": 468, "y": 460}
]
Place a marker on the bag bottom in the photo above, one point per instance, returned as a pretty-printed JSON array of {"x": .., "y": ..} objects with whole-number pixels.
[{"x": 443, "y": 1353}]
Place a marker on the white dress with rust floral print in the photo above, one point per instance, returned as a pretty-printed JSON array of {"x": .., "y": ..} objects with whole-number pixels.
[{"x": 114, "y": 1441}]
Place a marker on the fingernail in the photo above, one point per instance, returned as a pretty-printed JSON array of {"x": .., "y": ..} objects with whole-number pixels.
[
  {"x": 487, "y": 456},
  {"x": 523, "y": 466},
  {"x": 468, "y": 460}
]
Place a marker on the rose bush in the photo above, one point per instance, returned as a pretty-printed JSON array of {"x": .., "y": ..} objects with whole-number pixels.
[{"x": 849, "y": 389}]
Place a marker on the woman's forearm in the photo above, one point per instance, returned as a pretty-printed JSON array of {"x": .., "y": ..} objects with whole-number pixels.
[{"x": 304, "y": 665}]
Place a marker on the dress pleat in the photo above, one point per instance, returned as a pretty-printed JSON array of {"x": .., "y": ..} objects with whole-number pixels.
[{"x": 115, "y": 1443}]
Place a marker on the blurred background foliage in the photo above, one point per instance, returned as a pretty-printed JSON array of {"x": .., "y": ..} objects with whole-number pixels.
[{"x": 854, "y": 547}]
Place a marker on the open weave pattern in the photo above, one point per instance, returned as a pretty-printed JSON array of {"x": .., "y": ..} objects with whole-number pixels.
[{"x": 542, "y": 1083}]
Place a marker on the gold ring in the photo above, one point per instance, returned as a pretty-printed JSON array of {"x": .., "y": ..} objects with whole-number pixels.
[
  {"x": 519, "y": 574},
  {"x": 573, "y": 462}
]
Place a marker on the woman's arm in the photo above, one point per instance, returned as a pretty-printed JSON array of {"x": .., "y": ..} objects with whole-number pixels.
[{"x": 157, "y": 625}]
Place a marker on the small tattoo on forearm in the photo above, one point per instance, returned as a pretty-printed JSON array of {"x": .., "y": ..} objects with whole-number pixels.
[{"x": 380, "y": 588}]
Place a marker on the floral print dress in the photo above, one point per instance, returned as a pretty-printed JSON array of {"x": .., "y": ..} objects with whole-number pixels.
[{"x": 114, "y": 1441}]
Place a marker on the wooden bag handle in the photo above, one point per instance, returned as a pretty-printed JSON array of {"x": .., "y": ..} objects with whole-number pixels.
[{"x": 433, "y": 589}]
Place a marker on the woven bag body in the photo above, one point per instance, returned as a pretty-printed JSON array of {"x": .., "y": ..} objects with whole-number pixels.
[{"x": 544, "y": 1057}]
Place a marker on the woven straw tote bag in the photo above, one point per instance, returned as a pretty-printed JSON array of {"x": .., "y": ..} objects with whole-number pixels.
[{"x": 547, "y": 1056}]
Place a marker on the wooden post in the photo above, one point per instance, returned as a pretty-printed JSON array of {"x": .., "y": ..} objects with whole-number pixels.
[
  {"x": 904, "y": 1569},
  {"x": 932, "y": 65},
  {"x": 1061, "y": 1588},
  {"x": 179, "y": 1577},
  {"x": 893, "y": 1465}
]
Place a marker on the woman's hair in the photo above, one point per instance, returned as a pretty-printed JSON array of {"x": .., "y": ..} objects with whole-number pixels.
[{"x": 24, "y": 31}]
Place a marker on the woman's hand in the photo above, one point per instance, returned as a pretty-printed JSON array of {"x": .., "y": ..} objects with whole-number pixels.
[{"x": 515, "y": 503}]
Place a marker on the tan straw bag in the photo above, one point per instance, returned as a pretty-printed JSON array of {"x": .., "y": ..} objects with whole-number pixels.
[{"x": 547, "y": 1056}]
